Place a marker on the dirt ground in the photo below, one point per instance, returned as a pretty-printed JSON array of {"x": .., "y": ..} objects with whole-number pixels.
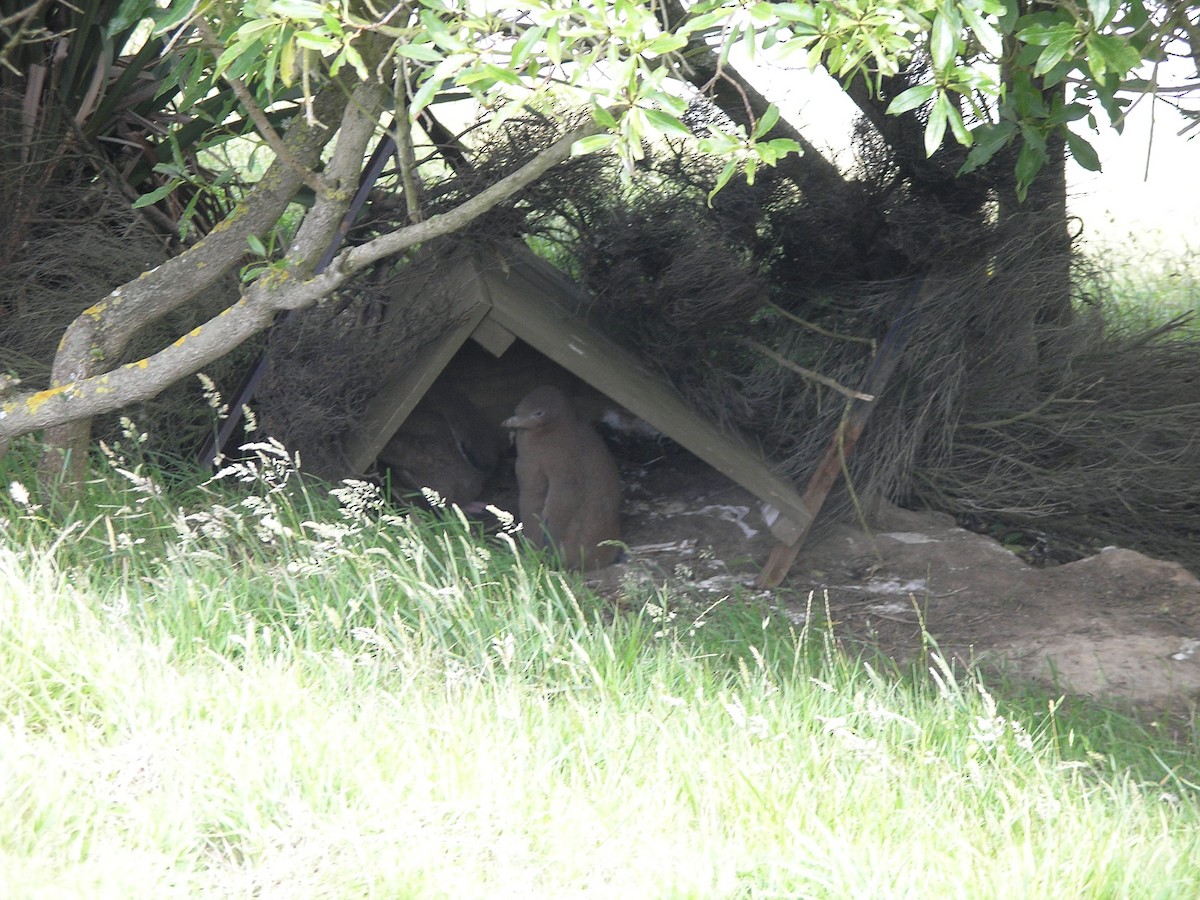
[{"x": 1118, "y": 626}]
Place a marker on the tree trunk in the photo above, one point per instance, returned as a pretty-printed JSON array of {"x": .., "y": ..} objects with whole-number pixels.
[
  {"x": 1040, "y": 222},
  {"x": 1045, "y": 216}
]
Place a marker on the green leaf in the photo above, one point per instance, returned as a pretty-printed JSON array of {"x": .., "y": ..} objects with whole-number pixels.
[
  {"x": 911, "y": 99},
  {"x": 667, "y": 123},
  {"x": 270, "y": 67},
  {"x": 355, "y": 59},
  {"x": 719, "y": 144},
  {"x": 704, "y": 22},
  {"x": 1119, "y": 54},
  {"x": 447, "y": 68},
  {"x": 1068, "y": 112},
  {"x": 157, "y": 194},
  {"x": 769, "y": 118},
  {"x": 128, "y": 14},
  {"x": 1029, "y": 162},
  {"x": 1101, "y": 11},
  {"x": 762, "y": 13},
  {"x": 722, "y": 180},
  {"x": 989, "y": 140},
  {"x": 1097, "y": 63},
  {"x": 1083, "y": 152},
  {"x": 1041, "y": 35},
  {"x": 251, "y": 273},
  {"x": 816, "y": 53},
  {"x": 935, "y": 128},
  {"x": 989, "y": 38},
  {"x": 185, "y": 217},
  {"x": 229, "y": 54},
  {"x": 592, "y": 144},
  {"x": 666, "y": 43},
  {"x": 1053, "y": 54},
  {"x": 439, "y": 32},
  {"x": 313, "y": 40},
  {"x": 957, "y": 126},
  {"x": 783, "y": 146},
  {"x": 554, "y": 47},
  {"x": 173, "y": 15},
  {"x": 424, "y": 96},
  {"x": 501, "y": 74},
  {"x": 296, "y": 9},
  {"x": 248, "y": 59},
  {"x": 525, "y": 44},
  {"x": 633, "y": 125},
  {"x": 798, "y": 12},
  {"x": 419, "y": 52},
  {"x": 287, "y": 61},
  {"x": 256, "y": 245},
  {"x": 480, "y": 79},
  {"x": 603, "y": 117},
  {"x": 943, "y": 40},
  {"x": 250, "y": 29},
  {"x": 1134, "y": 16}
]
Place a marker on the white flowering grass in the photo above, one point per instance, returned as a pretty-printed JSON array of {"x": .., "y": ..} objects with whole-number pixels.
[{"x": 275, "y": 693}]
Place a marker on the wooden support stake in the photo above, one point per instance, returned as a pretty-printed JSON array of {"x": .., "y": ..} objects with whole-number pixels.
[{"x": 849, "y": 430}]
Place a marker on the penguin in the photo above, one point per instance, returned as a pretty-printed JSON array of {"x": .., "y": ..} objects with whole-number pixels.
[{"x": 569, "y": 487}]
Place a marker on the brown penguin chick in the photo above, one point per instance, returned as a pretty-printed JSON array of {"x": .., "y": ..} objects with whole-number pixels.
[{"x": 570, "y": 490}]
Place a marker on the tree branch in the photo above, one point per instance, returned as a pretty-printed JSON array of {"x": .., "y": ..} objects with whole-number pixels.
[
  {"x": 360, "y": 120},
  {"x": 22, "y": 34},
  {"x": 390, "y": 244},
  {"x": 87, "y": 397},
  {"x": 405, "y": 154},
  {"x": 109, "y": 325},
  {"x": 277, "y": 291},
  {"x": 102, "y": 332},
  {"x": 781, "y": 360},
  {"x": 259, "y": 118},
  {"x": 813, "y": 326}
]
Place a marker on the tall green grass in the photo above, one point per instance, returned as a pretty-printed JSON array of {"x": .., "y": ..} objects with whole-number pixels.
[
  {"x": 1139, "y": 283},
  {"x": 262, "y": 690}
]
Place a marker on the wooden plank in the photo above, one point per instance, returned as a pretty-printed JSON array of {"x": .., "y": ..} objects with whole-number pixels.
[
  {"x": 522, "y": 303},
  {"x": 396, "y": 399},
  {"x": 492, "y": 337}
]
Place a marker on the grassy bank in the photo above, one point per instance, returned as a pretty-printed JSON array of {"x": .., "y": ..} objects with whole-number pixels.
[
  {"x": 1139, "y": 283},
  {"x": 251, "y": 689}
]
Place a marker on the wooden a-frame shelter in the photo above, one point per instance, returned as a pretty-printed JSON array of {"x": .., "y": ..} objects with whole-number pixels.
[{"x": 523, "y": 297}]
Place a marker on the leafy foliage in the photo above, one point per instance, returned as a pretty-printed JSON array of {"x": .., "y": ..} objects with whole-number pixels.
[{"x": 991, "y": 62}]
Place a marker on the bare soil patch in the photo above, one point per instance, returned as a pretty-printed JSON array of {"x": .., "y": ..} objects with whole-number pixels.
[{"x": 1118, "y": 626}]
